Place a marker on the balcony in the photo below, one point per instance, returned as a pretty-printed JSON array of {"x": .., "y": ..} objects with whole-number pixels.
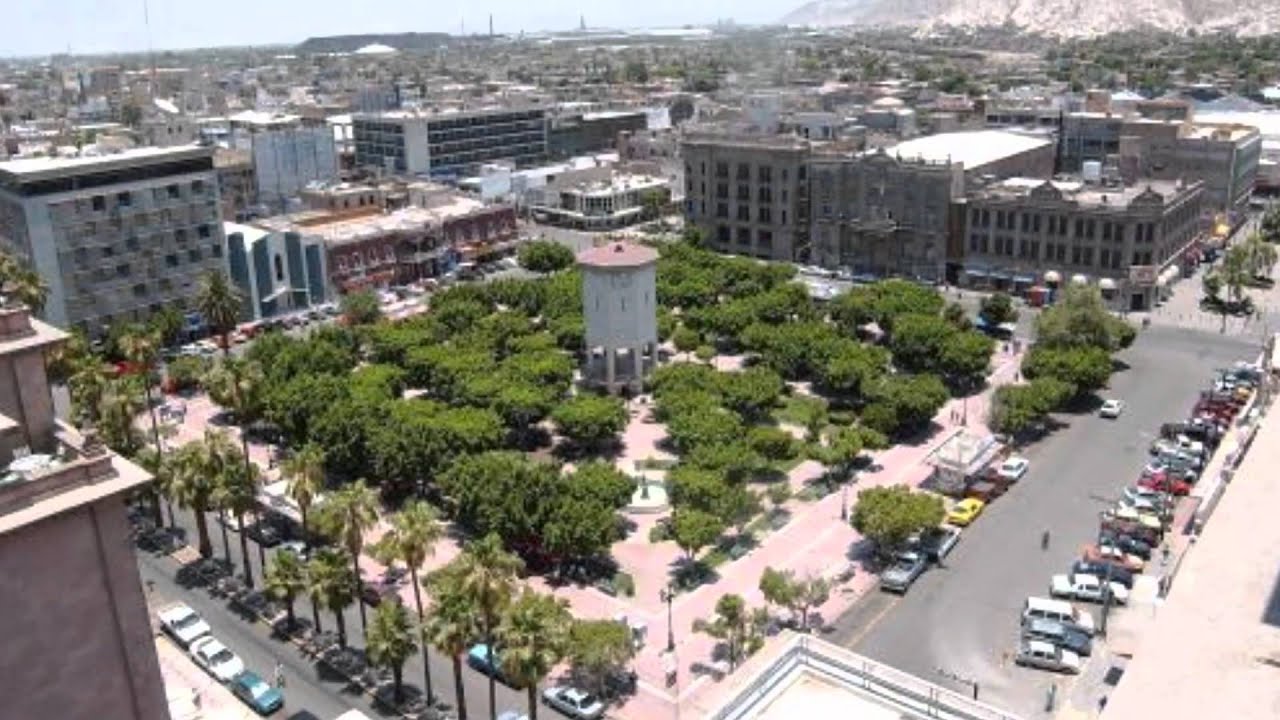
[{"x": 33, "y": 478}]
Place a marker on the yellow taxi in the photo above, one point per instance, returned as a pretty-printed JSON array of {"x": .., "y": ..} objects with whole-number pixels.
[{"x": 965, "y": 511}]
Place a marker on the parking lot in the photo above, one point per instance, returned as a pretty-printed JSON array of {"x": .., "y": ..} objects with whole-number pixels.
[{"x": 958, "y": 624}]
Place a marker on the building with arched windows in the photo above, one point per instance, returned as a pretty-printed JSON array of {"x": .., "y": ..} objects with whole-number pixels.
[{"x": 620, "y": 306}]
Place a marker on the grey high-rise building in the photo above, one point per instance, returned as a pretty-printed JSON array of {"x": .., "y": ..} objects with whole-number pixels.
[
  {"x": 448, "y": 143},
  {"x": 116, "y": 237}
]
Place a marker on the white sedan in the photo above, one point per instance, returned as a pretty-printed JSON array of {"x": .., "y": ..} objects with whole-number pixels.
[
  {"x": 183, "y": 624},
  {"x": 1111, "y": 409},
  {"x": 1014, "y": 468},
  {"x": 216, "y": 658},
  {"x": 575, "y": 703}
]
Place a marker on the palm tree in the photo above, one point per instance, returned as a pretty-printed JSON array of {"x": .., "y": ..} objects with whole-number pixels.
[
  {"x": 218, "y": 302},
  {"x": 304, "y": 472},
  {"x": 285, "y": 579},
  {"x": 87, "y": 382},
  {"x": 411, "y": 540},
  {"x": 390, "y": 642},
  {"x": 238, "y": 383},
  {"x": 192, "y": 487},
  {"x": 219, "y": 455},
  {"x": 487, "y": 574},
  {"x": 451, "y": 625},
  {"x": 348, "y": 515},
  {"x": 237, "y": 493},
  {"x": 141, "y": 347},
  {"x": 332, "y": 586},
  {"x": 534, "y": 634},
  {"x": 118, "y": 405},
  {"x": 20, "y": 282}
]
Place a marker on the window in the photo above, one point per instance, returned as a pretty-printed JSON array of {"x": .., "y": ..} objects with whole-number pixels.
[
  {"x": 744, "y": 171},
  {"x": 131, "y": 243},
  {"x": 122, "y": 270},
  {"x": 765, "y": 215},
  {"x": 1062, "y": 252},
  {"x": 82, "y": 256},
  {"x": 140, "y": 290},
  {"x": 1022, "y": 246},
  {"x": 986, "y": 218},
  {"x": 197, "y": 187},
  {"x": 765, "y": 173},
  {"x": 985, "y": 245},
  {"x": 203, "y": 231},
  {"x": 765, "y": 195},
  {"x": 722, "y": 170},
  {"x": 1075, "y": 255},
  {"x": 744, "y": 213},
  {"x": 1079, "y": 227},
  {"x": 973, "y": 242},
  {"x": 124, "y": 199},
  {"x": 1115, "y": 260},
  {"x": 744, "y": 236},
  {"x": 173, "y": 191},
  {"x": 194, "y": 255},
  {"x": 722, "y": 234},
  {"x": 765, "y": 238},
  {"x": 722, "y": 210},
  {"x": 1106, "y": 231},
  {"x": 108, "y": 251},
  {"x": 784, "y": 217},
  {"x": 1092, "y": 226},
  {"x": 180, "y": 235},
  {"x": 1035, "y": 224},
  {"x": 744, "y": 193},
  {"x": 279, "y": 266},
  {"x": 722, "y": 191},
  {"x": 1104, "y": 255},
  {"x": 1088, "y": 257},
  {"x": 1026, "y": 222},
  {"x": 171, "y": 260},
  {"x": 99, "y": 203},
  {"x": 975, "y": 216}
]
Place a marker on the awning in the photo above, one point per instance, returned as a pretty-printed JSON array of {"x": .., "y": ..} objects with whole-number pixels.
[
  {"x": 1002, "y": 275},
  {"x": 1079, "y": 279},
  {"x": 1024, "y": 279},
  {"x": 1052, "y": 277},
  {"x": 1107, "y": 284},
  {"x": 975, "y": 272}
]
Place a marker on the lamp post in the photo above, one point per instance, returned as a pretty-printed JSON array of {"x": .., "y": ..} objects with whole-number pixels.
[{"x": 667, "y": 595}]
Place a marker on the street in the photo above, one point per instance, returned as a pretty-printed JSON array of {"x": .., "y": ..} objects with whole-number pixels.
[
  {"x": 957, "y": 622},
  {"x": 311, "y": 692}
]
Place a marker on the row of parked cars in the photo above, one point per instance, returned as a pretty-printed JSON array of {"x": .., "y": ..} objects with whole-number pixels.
[
  {"x": 186, "y": 628},
  {"x": 1055, "y": 634}
]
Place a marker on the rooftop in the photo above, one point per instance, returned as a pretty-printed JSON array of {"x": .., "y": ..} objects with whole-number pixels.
[
  {"x": 1223, "y": 610},
  {"x": 972, "y": 149},
  {"x": 54, "y": 165},
  {"x": 347, "y": 227},
  {"x": 1087, "y": 195},
  {"x": 617, "y": 255},
  {"x": 617, "y": 184}
]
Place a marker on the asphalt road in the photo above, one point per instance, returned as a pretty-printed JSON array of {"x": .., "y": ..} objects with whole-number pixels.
[
  {"x": 309, "y": 688},
  {"x": 960, "y": 619}
]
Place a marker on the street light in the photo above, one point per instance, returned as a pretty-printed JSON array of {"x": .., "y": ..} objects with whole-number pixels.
[{"x": 668, "y": 595}]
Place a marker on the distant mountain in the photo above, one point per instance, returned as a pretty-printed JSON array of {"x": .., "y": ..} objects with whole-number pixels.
[
  {"x": 1048, "y": 17},
  {"x": 351, "y": 43}
]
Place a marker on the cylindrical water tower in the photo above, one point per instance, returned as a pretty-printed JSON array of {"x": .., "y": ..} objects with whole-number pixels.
[{"x": 620, "y": 305}]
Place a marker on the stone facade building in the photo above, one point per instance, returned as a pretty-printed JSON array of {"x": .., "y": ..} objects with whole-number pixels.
[
  {"x": 747, "y": 193},
  {"x": 78, "y": 644},
  {"x": 1128, "y": 241}
]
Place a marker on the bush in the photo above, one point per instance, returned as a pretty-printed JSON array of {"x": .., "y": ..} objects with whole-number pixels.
[
  {"x": 704, "y": 353},
  {"x": 772, "y": 443},
  {"x": 624, "y": 584},
  {"x": 184, "y": 373},
  {"x": 660, "y": 533},
  {"x": 685, "y": 339},
  {"x": 544, "y": 256}
]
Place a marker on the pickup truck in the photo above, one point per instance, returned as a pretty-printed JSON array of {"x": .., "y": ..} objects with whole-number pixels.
[
  {"x": 905, "y": 570},
  {"x": 1087, "y": 587}
]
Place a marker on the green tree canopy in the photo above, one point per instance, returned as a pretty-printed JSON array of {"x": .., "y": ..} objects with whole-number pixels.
[
  {"x": 590, "y": 421},
  {"x": 545, "y": 256},
  {"x": 889, "y": 515}
]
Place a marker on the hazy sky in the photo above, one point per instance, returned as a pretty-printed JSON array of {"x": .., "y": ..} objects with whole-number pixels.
[{"x": 32, "y": 27}]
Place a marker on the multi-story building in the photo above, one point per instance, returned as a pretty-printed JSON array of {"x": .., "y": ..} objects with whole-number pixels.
[
  {"x": 582, "y": 133},
  {"x": 1224, "y": 157},
  {"x": 277, "y": 272},
  {"x": 448, "y": 143},
  {"x": 116, "y": 237},
  {"x": 237, "y": 185},
  {"x": 747, "y": 193},
  {"x": 78, "y": 641},
  {"x": 1128, "y": 241},
  {"x": 617, "y": 201},
  {"x": 882, "y": 215},
  {"x": 286, "y": 161}
]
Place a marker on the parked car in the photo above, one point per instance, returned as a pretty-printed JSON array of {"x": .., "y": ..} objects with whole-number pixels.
[
  {"x": 937, "y": 542},
  {"x": 1088, "y": 588},
  {"x": 1111, "y": 409},
  {"x": 1126, "y": 543},
  {"x": 1128, "y": 514},
  {"x": 1113, "y": 555},
  {"x": 1141, "y": 499},
  {"x": 1046, "y": 656},
  {"x": 1059, "y": 634},
  {"x": 217, "y": 659},
  {"x": 256, "y": 693},
  {"x": 265, "y": 534},
  {"x": 478, "y": 658},
  {"x": 1165, "y": 482},
  {"x": 512, "y": 715},
  {"x": 575, "y": 703},
  {"x": 965, "y": 511},
  {"x": 374, "y": 592},
  {"x": 907, "y": 567},
  {"x": 295, "y": 547},
  {"x": 1099, "y": 569},
  {"x": 183, "y": 624},
  {"x": 1013, "y": 468}
]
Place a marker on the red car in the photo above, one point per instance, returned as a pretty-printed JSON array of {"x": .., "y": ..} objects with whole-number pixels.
[{"x": 1163, "y": 482}]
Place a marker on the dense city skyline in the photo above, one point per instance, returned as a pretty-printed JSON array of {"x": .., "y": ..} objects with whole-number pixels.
[{"x": 86, "y": 26}]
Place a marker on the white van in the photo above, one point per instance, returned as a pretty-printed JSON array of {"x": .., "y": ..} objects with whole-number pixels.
[
  {"x": 1059, "y": 610},
  {"x": 353, "y": 715}
]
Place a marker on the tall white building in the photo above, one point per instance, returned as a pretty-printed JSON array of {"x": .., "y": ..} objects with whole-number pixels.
[
  {"x": 286, "y": 161},
  {"x": 620, "y": 304},
  {"x": 116, "y": 237}
]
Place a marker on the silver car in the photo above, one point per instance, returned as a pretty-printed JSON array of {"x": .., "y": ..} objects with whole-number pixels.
[
  {"x": 573, "y": 702},
  {"x": 1046, "y": 656}
]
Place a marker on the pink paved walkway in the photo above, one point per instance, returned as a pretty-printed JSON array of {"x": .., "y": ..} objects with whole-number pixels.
[{"x": 814, "y": 542}]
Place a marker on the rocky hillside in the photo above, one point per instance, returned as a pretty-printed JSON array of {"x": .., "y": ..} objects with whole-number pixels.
[{"x": 1049, "y": 17}]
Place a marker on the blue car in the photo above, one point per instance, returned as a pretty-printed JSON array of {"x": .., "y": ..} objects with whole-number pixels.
[
  {"x": 478, "y": 658},
  {"x": 256, "y": 693}
]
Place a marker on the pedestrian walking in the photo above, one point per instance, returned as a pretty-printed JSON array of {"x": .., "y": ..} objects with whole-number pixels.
[{"x": 1044, "y": 540}]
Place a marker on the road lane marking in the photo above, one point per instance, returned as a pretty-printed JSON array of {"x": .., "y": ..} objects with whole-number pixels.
[{"x": 872, "y": 623}]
